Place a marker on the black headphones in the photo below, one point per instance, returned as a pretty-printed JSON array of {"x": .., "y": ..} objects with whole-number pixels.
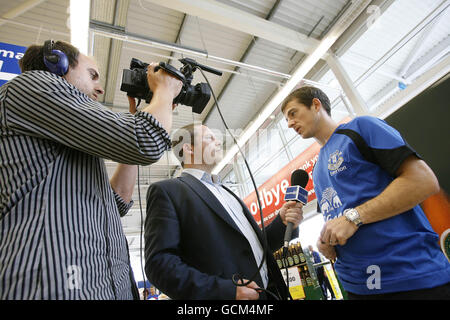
[{"x": 55, "y": 60}]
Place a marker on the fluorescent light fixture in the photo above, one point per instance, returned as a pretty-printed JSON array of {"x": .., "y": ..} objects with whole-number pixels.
[{"x": 79, "y": 24}]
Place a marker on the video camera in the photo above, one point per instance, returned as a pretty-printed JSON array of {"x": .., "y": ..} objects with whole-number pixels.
[{"x": 134, "y": 83}]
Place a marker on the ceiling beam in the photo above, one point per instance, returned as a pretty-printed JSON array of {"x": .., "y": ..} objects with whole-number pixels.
[
  {"x": 230, "y": 17},
  {"x": 253, "y": 41},
  {"x": 427, "y": 60},
  {"x": 357, "y": 102},
  {"x": 416, "y": 50}
]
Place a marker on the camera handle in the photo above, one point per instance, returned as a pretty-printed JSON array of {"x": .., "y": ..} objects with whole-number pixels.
[{"x": 171, "y": 70}]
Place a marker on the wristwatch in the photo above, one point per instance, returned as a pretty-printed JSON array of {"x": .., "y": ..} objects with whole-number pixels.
[{"x": 352, "y": 215}]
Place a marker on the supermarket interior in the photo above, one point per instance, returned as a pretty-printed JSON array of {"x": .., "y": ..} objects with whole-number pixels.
[{"x": 224, "y": 150}]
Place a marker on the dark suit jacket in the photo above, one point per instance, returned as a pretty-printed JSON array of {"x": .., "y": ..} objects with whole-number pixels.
[{"x": 193, "y": 247}]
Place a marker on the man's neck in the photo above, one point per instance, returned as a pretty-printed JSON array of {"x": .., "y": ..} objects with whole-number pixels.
[
  {"x": 326, "y": 128},
  {"x": 206, "y": 168}
]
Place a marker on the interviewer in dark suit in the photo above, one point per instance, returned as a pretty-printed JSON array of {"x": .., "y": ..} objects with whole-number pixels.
[{"x": 198, "y": 233}]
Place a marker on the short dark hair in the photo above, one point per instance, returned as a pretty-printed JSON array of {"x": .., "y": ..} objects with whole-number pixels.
[
  {"x": 33, "y": 59},
  {"x": 305, "y": 95},
  {"x": 180, "y": 136}
]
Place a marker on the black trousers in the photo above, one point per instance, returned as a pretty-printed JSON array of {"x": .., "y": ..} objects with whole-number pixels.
[{"x": 437, "y": 293}]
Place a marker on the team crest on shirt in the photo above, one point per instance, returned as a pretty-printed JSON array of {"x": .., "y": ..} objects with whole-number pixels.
[
  {"x": 330, "y": 202},
  {"x": 335, "y": 161}
]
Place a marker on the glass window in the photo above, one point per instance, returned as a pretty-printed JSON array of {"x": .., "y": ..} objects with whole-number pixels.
[
  {"x": 230, "y": 177},
  {"x": 268, "y": 170},
  {"x": 261, "y": 148},
  {"x": 380, "y": 69},
  {"x": 231, "y": 182},
  {"x": 289, "y": 133},
  {"x": 298, "y": 145},
  {"x": 339, "y": 110}
]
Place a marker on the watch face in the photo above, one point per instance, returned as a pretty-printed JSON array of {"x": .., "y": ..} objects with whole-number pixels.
[{"x": 352, "y": 214}]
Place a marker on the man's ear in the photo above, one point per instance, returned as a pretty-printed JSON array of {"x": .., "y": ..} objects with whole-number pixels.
[{"x": 316, "y": 104}]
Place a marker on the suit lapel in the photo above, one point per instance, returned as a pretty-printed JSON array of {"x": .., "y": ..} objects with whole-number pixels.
[
  {"x": 209, "y": 198},
  {"x": 248, "y": 215}
]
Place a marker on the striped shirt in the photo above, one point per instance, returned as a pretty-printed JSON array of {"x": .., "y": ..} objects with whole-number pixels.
[{"x": 60, "y": 231}]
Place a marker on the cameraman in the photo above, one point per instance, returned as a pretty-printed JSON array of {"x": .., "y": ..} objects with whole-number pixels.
[{"x": 60, "y": 231}]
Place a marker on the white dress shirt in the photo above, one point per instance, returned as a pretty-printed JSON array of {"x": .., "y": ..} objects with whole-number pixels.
[{"x": 235, "y": 210}]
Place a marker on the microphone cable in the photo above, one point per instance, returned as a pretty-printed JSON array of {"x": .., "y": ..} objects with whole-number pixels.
[
  {"x": 141, "y": 232},
  {"x": 236, "y": 278}
]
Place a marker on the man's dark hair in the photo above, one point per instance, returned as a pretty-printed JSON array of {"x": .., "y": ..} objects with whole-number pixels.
[
  {"x": 180, "y": 137},
  {"x": 33, "y": 59},
  {"x": 305, "y": 95}
]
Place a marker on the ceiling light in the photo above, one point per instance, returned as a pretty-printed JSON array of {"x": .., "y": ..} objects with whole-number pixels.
[{"x": 79, "y": 24}]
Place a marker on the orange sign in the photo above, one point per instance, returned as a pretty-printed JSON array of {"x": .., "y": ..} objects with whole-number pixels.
[{"x": 437, "y": 210}]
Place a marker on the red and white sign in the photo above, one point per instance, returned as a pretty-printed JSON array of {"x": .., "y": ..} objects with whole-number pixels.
[{"x": 272, "y": 192}]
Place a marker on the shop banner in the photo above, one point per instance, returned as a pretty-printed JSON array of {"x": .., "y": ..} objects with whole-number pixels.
[{"x": 10, "y": 55}]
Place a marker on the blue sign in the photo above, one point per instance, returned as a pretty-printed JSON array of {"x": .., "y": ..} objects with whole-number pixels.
[
  {"x": 402, "y": 85},
  {"x": 296, "y": 193},
  {"x": 10, "y": 55}
]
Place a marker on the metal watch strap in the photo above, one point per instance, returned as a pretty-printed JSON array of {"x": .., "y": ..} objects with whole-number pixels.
[{"x": 356, "y": 220}]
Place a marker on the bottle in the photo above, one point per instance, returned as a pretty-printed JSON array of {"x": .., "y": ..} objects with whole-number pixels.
[
  {"x": 308, "y": 277},
  {"x": 300, "y": 252},
  {"x": 302, "y": 276},
  {"x": 295, "y": 254},
  {"x": 290, "y": 257},
  {"x": 283, "y": 258},
  {"x": 278, "y": 259}
]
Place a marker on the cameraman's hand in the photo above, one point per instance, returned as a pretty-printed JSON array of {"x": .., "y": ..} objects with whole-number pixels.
[
  {"x": 163, "y": 82},
  {"x": 165, "y": 88},
  {"x": 132, "y": 105}
]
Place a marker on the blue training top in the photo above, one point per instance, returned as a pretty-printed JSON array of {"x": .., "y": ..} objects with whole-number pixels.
[{"x": 393, "y": 255}]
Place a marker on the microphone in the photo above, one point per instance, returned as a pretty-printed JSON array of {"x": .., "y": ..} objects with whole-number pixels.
[{"x": 296, "y": 192}]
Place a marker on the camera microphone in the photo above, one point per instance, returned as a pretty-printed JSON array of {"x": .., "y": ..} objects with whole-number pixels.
[{"x": 296, "y": 192}]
